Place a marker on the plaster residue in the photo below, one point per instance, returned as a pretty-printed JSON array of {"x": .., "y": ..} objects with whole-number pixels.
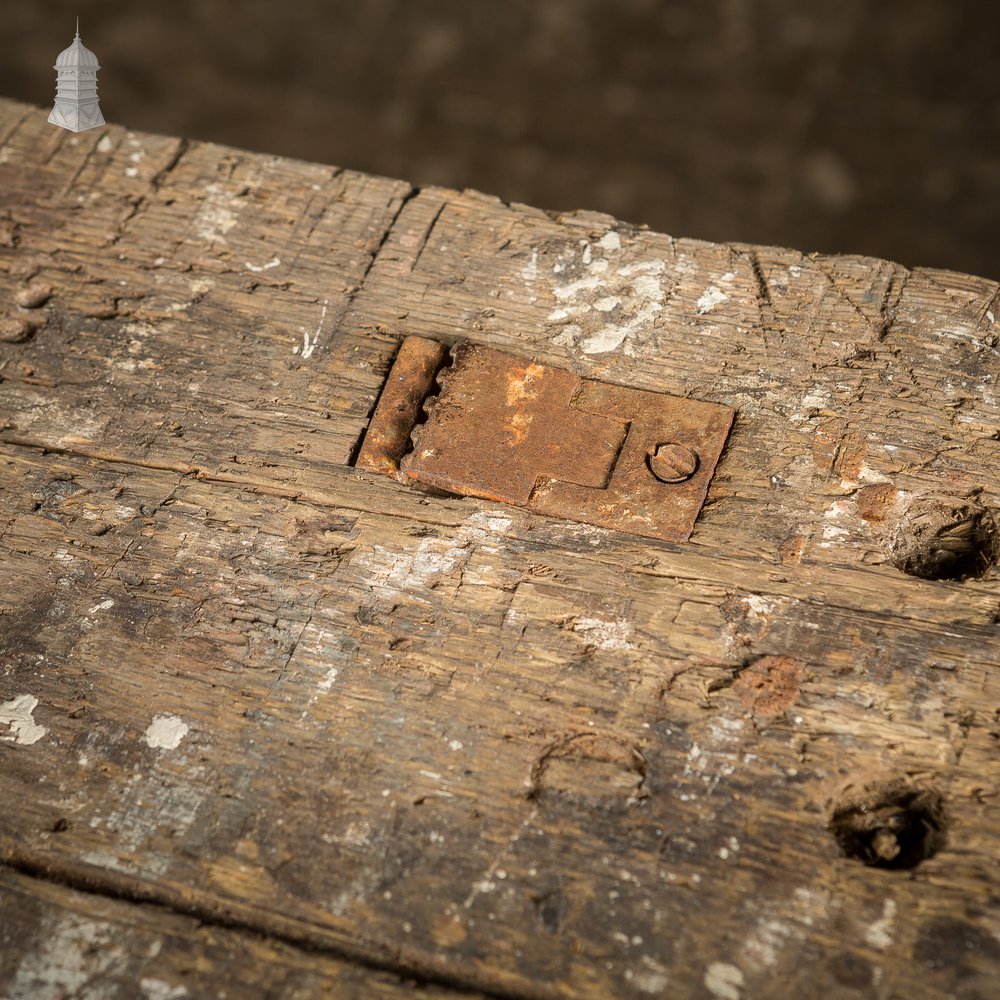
[
  {"x": 165, "y": 732},
  {"x": 602, "y": 303},
  {"x": 17, "y": 715},
  {"x": 152, "y": 811},
  {"x": 604, "y": 633},
  {"x": 390, "y": 573},
  {"x": 834, "y": 530},
  {"x": 610, "y": 241},
  {"x": 67, "y": 957},
  {"x": 710, "y": 298},
  {"x": 815, "y": 400},
  {"x": 214, "y": 217},
  {"x": 760, "y": 608}
]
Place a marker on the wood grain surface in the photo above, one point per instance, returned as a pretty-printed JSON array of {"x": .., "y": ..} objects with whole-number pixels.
[{"x": 275, "y": 717}]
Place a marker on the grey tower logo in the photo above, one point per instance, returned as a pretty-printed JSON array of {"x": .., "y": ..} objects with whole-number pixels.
[{"x": 76, "y": 106}]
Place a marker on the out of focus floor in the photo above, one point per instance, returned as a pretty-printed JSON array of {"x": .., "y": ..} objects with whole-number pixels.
[{"x": 850, "y": 127}]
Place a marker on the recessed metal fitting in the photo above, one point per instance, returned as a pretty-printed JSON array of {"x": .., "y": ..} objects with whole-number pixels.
[{"x": 508, "y": 429}]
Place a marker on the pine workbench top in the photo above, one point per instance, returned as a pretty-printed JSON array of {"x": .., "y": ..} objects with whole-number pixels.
[{"x": 271, "y": 725}]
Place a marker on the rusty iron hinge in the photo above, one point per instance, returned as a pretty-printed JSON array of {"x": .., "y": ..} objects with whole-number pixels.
[{"x": 504, "y": 428}]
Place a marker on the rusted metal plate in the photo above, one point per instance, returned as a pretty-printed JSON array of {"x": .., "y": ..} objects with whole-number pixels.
[
  {"x": 534, "y": 436},
  {"x": 500, "y": 424}
]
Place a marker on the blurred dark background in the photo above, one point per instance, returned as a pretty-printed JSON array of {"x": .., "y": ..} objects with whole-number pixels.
[{"x": 865, "y": 126}]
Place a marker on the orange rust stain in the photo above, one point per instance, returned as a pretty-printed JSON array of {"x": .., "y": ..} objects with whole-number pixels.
[
  {"x": 826, "y": 442},
  {"x": 770, "y": 685},
  {"x": 521, "y": 383},
  {"x": 851, "y": 455},
  {"x": 522, "y": 387},
  {"x": 874, "y": 502},
  {"x": 791, "y": 549}
]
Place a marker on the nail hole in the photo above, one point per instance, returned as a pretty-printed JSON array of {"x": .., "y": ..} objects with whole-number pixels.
[
  {"x": 942, "y": 541},
  {"x": 895, "y": 824}
]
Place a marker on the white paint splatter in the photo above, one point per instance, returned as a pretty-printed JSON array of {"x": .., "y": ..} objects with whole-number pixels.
[
  {"x": 327, "y": 682},
  {"x": 17, "y": 714},
  {"x": 710, "y": 298},
  {"x": 879, "y": 934},
  {"x": 310, "y": 345},
  {"x": 724, "y": 981},
  {"x": 165, "y": 732},
  {"x": 651, "y": 979},
  {"x": 103, "y": 606},
  {"x": 257, "y": 268},
  {"x": 104, "y": 144},
  {"x": 157, "y": 989},
  {"x": 605, "y": 633}
]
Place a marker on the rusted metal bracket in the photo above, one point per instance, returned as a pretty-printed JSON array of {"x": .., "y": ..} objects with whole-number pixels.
[{"x": 504, "y": 428}]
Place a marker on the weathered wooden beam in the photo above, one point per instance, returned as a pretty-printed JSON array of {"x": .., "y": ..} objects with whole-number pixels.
[
  {"x": 58, "y": 941},
  {"x": 497, "y": 751}
]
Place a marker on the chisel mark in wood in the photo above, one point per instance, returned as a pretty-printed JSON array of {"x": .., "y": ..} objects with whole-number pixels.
[{"x": 425, "y": 239}]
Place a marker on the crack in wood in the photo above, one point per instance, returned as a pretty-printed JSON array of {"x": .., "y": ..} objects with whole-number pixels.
[{"x": 294, "y": 932}]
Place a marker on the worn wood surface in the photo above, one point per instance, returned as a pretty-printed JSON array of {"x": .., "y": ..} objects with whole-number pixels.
[
  {"x": 307, "y": 718},
  {"x": 89, "y": 945}
]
